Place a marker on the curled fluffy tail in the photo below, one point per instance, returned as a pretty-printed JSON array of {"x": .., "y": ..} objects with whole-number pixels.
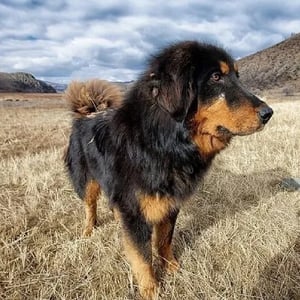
[{"x": 93, "y": 96}]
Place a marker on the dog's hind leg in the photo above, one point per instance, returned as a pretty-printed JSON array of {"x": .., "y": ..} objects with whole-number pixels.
[{"x": 92, "y": 192}]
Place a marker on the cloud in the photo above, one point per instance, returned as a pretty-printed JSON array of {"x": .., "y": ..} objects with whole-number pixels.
[{"x": 64, "y": 39}]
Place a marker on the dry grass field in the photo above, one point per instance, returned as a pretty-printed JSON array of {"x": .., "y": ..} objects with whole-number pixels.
[{"x": 238, "y": 238}]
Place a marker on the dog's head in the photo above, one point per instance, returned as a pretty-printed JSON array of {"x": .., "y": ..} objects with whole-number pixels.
[{"x": 198, "y": 84}]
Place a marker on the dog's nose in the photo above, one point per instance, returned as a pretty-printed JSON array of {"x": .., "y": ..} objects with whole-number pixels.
[{"x": 265, "y": 114}]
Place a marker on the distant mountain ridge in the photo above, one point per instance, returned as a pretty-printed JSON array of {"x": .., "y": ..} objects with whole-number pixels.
[
  {"x": 276, "y": 67},
  {"x": 23, "y": 82},
  {"x": 59, "y": 87}
]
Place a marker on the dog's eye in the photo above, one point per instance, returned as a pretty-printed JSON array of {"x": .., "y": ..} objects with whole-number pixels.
[{"x": 216, "y": 76}]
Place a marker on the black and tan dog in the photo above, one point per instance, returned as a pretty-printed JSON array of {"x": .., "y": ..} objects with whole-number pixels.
[{"x": 148, "y": 150}]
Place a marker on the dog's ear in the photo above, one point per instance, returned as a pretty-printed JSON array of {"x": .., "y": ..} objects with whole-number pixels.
[{"x": 176, "y": 93}]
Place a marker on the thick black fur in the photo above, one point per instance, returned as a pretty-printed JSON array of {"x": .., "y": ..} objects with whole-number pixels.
[{"x": 145, "y": 145}]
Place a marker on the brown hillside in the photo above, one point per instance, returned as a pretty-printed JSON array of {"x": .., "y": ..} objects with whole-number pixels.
[
  {"x": 23, "y": 82},
  {"x": 277, "y": 67}
]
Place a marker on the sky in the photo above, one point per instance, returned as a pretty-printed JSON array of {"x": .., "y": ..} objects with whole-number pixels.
[{"x": 62, "y": 40}]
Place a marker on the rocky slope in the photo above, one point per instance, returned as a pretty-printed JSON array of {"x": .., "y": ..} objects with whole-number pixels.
[
  {"x": 277, "y": 67},
  {"x": 23, "y": 82}
]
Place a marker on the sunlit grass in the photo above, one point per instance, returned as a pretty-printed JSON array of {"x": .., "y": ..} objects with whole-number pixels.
[{"x": 238, "y": 238}]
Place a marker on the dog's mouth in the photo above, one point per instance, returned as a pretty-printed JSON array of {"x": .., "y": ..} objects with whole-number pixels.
[
  {"x": 222, "y": 135},
  {"x": 226, "y": 133}
]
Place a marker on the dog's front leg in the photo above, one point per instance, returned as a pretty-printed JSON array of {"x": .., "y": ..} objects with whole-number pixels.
[
  {"x": 137, "y": 247},
  {"x": 162, "y": 241}
]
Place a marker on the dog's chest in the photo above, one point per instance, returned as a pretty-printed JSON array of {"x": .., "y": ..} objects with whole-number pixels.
[{"x": 156, "y": 208}]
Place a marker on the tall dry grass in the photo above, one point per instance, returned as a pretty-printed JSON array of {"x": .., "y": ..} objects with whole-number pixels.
[{"x": 238, "y": 238}]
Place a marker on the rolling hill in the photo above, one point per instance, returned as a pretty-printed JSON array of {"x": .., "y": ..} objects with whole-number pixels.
[
  {"x": 23, "y": 82},
  {"x": 277, "y": 67}
]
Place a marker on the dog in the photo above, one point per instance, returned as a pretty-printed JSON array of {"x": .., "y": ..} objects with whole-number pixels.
[{"x": 148, "y": 149}]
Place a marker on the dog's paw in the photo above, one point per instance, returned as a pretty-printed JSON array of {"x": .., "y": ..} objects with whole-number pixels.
[
  {"x": 87, "y": 232},
  {"x": 149, "y": 291},
  {"x": 172, "y": 266}
]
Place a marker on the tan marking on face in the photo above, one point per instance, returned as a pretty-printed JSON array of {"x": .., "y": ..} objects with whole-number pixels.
[
  {"x": 142, "y": 270},
  {"x": 209, "y": 145},
  {"x": 92, "y": 192},
  {"x": 224, "y": 67},
  {"x": 155, "y": 208},
  {"x": 240, "y": 121}
]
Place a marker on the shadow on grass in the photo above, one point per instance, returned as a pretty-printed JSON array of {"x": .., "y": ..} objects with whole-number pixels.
[
  {"x": 221, "y": 195},
  {"x": 280, "y": 280}
]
